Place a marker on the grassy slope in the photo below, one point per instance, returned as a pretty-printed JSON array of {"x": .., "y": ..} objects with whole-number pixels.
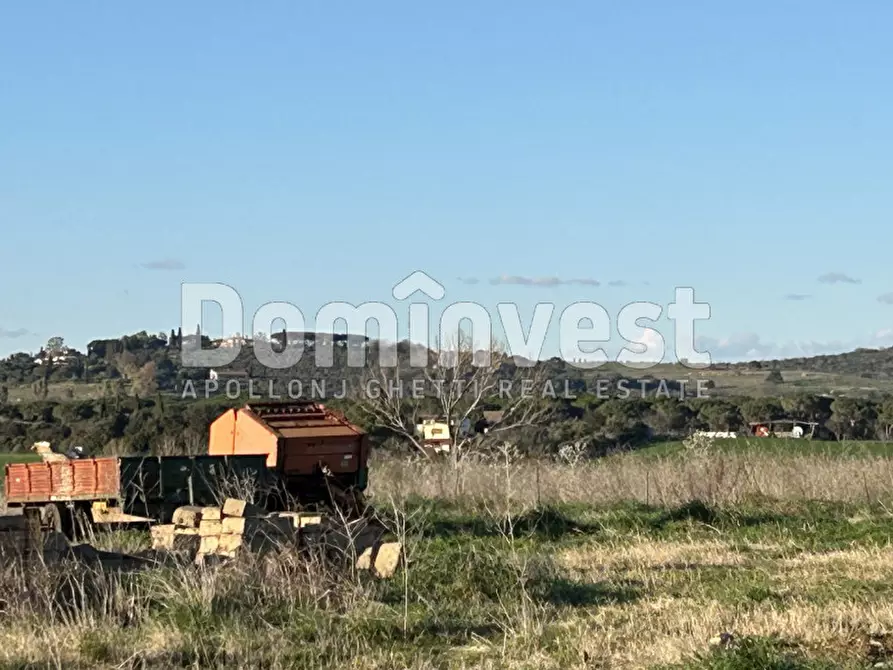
[
  {"x": 842, "y": 378},
  {"x": 17, "y": 458},
  {"x": 59, "y": 391}
]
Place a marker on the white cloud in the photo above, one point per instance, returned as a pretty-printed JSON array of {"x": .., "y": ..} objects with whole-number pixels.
[
  {"x": 650, "y": 341},
  {"x": 14, "y": 333}
]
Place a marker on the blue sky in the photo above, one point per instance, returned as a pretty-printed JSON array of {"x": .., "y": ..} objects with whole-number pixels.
[{"x": 312, "y": 152}]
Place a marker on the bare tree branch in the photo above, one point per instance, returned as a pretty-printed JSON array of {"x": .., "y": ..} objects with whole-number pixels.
[
  {"x": 382, "y": 400},
  {"x": 461, "y": 383}
]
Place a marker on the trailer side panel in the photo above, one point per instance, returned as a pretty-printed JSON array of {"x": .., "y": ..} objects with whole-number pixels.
[
  {"x": 153, "y": 482},
  {"x": 79, "y": 479}
]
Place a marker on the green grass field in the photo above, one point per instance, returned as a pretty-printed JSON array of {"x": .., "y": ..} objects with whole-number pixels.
[
  {"x": 638, "y": 560},
  {"x": 781, "y": 446},
  {"x": 753, "y": 382},
  {"x": 17, "y": 458},
  {"x": 59, "y": 391},
  {"x": 798, "y": 585},
  {"x": 13, "y": 458}
]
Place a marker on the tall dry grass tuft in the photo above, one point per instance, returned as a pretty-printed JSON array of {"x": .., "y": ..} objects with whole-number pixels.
[
  {"x": 190, "y": 445},
  {"x": 717, "y": 478},
  {"x": 76, "y": 614},
  {"x": 523, "y": 619}
]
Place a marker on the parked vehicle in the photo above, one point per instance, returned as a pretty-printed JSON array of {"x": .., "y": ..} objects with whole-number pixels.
[
  {"x": 125, "y": 489},
  {"x": 288, "y": 454}
]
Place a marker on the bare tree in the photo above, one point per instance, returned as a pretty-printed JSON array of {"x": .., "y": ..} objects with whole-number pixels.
[
  {"x": 145, "y": 380},
  {"x": 127, "y": 364},
  {"x": 458, "y": 383}
]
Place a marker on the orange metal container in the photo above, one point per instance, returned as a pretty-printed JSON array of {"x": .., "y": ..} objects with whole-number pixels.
[
  {"x": 298, "y": 439},
  {"x": 80, "y": 479}
]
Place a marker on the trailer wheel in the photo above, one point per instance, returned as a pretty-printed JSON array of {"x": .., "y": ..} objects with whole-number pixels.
[
  {"x": 51, "y": 518},
  {"x": 34, "y": 536}
]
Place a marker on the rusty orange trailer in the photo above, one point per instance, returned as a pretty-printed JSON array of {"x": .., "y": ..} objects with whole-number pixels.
[
  {"x": 301, "y": 441},
  {"x": 88, "y": 479},
  {"x": 124, "y": 489}
]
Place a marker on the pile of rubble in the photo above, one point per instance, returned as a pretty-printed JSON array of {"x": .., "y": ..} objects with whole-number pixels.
[
  {"x": 205, "y": 533},
  {"x": 211, "y": 534}
]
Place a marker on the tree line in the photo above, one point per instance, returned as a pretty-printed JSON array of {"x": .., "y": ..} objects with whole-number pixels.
[
  {"x": 139, "y": 407},
  {"x": 131, "y": 424}
]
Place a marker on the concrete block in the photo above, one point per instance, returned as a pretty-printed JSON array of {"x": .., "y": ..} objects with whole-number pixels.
[
  {"x": 241, "y": 508},
  {"x": 209, "y": 544},
  {"x": 387, "y": 559},
  {"x": 187, "y": 516},
  {"x": 233, "y": 526},
  {"x": 162, "y": 536},
  {"x": 227, "y": 544},
  {"x": 300, "y": 519},
  {"x": 382, "y": 559},
  {"x": 209, "y": 527}
]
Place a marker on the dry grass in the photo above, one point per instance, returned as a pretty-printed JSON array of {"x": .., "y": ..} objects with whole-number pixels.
[
  {"x": 670, "y": 630},
  {"x": 193, "y": 626},
  {"x": 661, "y": 629},
  {"x": 641, "y": 554},
  {"x": 714, "y": 477},
  {"x": 651, "y": 601},
  {"x": 499, "y": 580}
]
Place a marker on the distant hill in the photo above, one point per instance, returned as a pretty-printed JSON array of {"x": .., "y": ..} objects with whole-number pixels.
[
  {"x": 131, "y": 394},
  {"x": 152, "y": 362},
  {"x": 870, "y": 363}
]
